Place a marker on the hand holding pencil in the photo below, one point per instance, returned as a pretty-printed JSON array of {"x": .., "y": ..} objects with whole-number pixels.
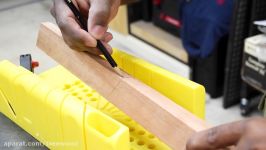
[{"x": 97, "y": 14}]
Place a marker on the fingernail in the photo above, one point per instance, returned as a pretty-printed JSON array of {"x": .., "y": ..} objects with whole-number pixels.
[{"x": 108, "y": 38}]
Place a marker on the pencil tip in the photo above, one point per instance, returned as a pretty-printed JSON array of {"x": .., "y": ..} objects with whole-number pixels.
[{"x": 118, "y": 71}]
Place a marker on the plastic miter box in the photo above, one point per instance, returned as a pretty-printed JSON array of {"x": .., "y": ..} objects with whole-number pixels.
[
  {"x": 64, "y": 113},
  {"x": 166, "y": 15},
  {"x": 254, "y": 62}
]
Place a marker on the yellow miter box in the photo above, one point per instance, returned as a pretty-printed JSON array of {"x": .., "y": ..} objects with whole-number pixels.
[
  {"x": 55, "y": 116},
  {"x": 62, "y": 112},
  {"x": 183, "y": 92},
  {"x": 139, "y": 138}
]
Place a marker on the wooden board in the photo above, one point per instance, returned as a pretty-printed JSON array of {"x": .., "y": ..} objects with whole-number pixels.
[
  {"x": 159, "y": 115},
  {"x": 159, "y": 38}
]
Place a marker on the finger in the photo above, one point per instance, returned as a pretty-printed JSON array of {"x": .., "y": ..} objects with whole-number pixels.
[
  {"x": 91, "y": 50},
  {"x": 99, "y": 16},
  {"x": 96, "y": 51},
  {"x": 82, "y": 48},
  {"x": 71, "y": 30},
  {"x": 243, "y": 145},
  {"x": 217, "y": 137},
  {"x": 84, "y": 7},
  {"x": 73, "y": 33},
  {"x": 108, "y": 47},
  {"x": 107, "y": 37}
]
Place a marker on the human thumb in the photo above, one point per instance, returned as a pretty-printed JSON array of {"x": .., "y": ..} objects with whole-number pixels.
[{"x": 99, "y": 17}]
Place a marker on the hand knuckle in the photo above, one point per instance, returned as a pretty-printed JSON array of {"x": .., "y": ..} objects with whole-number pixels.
[
  {"x": 191, "y": 144},
  {"x": 212, "y": 137},
  {"x": 62, "y": 24}
]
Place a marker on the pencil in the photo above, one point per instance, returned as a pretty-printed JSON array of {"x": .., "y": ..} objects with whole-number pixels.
[{"x": 83, "y": 24}]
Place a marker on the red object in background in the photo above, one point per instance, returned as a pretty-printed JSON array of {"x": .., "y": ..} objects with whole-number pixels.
[
  {"x": 156, "y": 2},
  {"x": 166, "y": 15},
  {"x": 34, "y": 64},
  {"x": 170, "y": 20},
  {"x": 220, "y": 2}
]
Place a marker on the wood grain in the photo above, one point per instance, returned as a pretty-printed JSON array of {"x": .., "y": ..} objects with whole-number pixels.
[{"x": 159, "y": 115}]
